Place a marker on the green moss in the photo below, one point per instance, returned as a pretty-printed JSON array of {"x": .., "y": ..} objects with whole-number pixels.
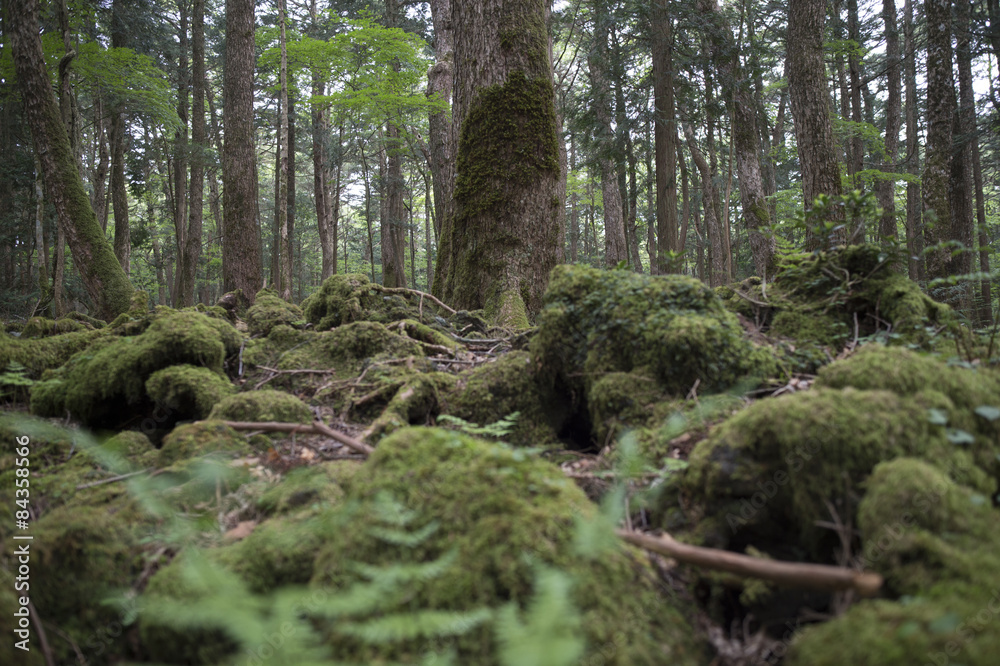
[
  {"x": 39, "y": 327},
  {"x": 801, "y": 324},
  {"x": 264, "y": 405},
  {"x": 198, "y": 439},
  {"x": 133, "y": 447},
  {"x": 936, "y": 542},
  {"x": 498, "y": 511},
  {"x": 268, "y": 311},
  {"x": 44, "y": 353},
  {"x": 414, "y": 403},
  {"x": 313, "y": 486},
  {"x": 424, "y": 333},
  {"x": 495, "y": 390},
  {"x": 105, "y": 384},
  {"x": 189, "y": 391},
  {"x": 505, "y": 308},
  {"x": 618, "y": 401},
  {"x": 10, "y": 604},
  {"x": 346, "y": 298}
]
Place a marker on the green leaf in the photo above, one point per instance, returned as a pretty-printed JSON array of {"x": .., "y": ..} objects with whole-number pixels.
[
  {"x": 959, "y": 437},
  {"x": 937, "y": 416},
  {"x": 988, "y": 412}
]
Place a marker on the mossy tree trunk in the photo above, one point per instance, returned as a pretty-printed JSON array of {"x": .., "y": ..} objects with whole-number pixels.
[
  {"x": 810, "y": 102},
  {"x": 106, "y": 283},
  {"x": 505, "y": 237},
  {"x": 441, "y": 129},
  {"x": 241, "y": 258}
]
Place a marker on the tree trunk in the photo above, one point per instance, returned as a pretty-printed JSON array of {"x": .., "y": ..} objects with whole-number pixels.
[
  {"x": 181, "y": 162},
  {"x": 746, "y": 140},
  {"x": 963, "y": 207},
  {"x": 99, "y": 199},
  {"x": 188, "y": 266},
  {"x": 718, "y": 275},
  {"x": 854, "y": 67},
  {"x": 440, "y": 81},
  {"x": 106, "y": 283},
  {"x": 886, "y": 188},
  {"x": 241, "y": 261},
  {"x": 914, "y": 217},
  {"x": 119, "y": 196},
  {"x": 664, "y": 137},
  {"x": 505, "y": 237},
  {"x": 936, "y": 179},
  {"x": 321, "y": 184},
  {"x": 283, "y": 280},
  {"x": 810, "y": 105}
]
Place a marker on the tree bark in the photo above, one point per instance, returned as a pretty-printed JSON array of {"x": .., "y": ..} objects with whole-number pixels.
[
  {"x": 886, "y": 188},
  {"x": 191, "y": 249},
  {"x": 181, "y": 161},
  {"x": 241, "y": 260},
  {"x": 664, "y": 137},
  {"x": 962, "y": 198},
  {"x": 119, "y": 196},
  {"x": 914, "y": 216},
  {"x": 506, "y": 232},
  {"x": 718, "y": 275},
  {"x": 937, "y": 201},
  {"x": 106, "y": 283},
  {"x": 440, "y": 81},
  {"x": 811, "y": 105}
]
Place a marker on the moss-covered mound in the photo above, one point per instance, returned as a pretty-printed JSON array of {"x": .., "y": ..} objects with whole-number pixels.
[
  {"x": 198, "y": 439},
  {"x": 40, "y": 327},
  {"x": 827, "y": 297},
  {"x": 351, "y": 297},
  {"x": 268, "y": 311},
  {"x": 498, "y": 513},
  {"x": 46, "y": 353},
  {"x": 187, "y": 390},
  {"x": 937, "y": 544},
  {"x": 105, "y": 385},
  {"x": 493, "y": 391},
  {"x": 670, "y": 333},
  {"x": 264, "y": 405}
]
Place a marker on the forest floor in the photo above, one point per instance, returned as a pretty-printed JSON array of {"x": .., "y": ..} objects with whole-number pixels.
[{"x": 802, "y": 472}]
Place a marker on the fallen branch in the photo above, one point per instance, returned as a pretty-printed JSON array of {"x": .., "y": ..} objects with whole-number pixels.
[
  {"x": 421, "y": 294},
  {"x": 111, "y": 480},
  {"x": 316, "y": 428},
  {"x": 794, "y": 574}
]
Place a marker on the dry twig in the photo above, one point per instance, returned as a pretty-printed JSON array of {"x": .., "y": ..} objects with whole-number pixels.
[{"x": 316, "y": 428}]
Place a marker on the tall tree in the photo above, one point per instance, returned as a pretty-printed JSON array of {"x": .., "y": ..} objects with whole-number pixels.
[
  {"x": 119, "y": 195},
  {"x": 283, "y": 281},
  {"x": 241, "y": 260},
  {"x": 393, "y": 217},
  {"x": 106, "y": 283},
  {"x": 811, "y": 103},
  {"x": 937, "y": 156},
  {"x": 615, "y": 246},
  {"x": 914, "y": 214},
  {"x": 441, "y": 129},
  {"x": 886, "y": 190},
  {"x": 505, "y": 237},
  {"x": 664, "y": 136},
  {"x": 191, "y": 248}
]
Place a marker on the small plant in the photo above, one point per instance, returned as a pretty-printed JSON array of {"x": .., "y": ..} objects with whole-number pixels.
[
  {"x": 496, "y": 430},
  {"x": 14, "y": 383}
]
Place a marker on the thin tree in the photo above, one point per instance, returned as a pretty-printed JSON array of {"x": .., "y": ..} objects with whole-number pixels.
[
  {"x": 190, "y": 250},
  {"x": 886, "y": 189},
  {"x": 441, "y": 129},
  {"x": 664, "y": 137},
  {"x": 283, "y": 280}
]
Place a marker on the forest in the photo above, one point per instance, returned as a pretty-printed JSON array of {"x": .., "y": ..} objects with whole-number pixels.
[{"x": 499, "y": 332}]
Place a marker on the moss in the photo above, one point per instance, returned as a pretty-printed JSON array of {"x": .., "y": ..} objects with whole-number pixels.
[
  {"x": 414, "y": 403},
  {"x": 105, "y": 384},
  {"x": 343, "y": 299},
  {"x": 44, "y": 353},
  {"x": 495, "y": 390},
  {"x": 499, "y": 511},
  {"x": 10, "y": 604},
  {"x": 506, "y": 308},
  {"x": 936, "y": 543},
  {"x": 268, "y": 311},
  {"x": 618, "y": 401},
  {"x": 316, "y": 485},
  {"x": 133, "y": 447},
  {"x": 198, "y": 439},
  {"x": 39, "y": 327},
  {"x": 264, "y": 405},
  {"x": 189, "y": 391},
  {"x": 804, "y": 325},
  {"x": 424, "y": 333}
]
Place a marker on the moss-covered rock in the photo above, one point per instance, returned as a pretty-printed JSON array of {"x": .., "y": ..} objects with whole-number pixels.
[
  {"x": 105, "y": 384},
  {"x": 346, "y": 298},
  {"x": 936, "y": 543},
  {"x": 263, "y": 405},
  {"x": 414, "y": 403},
  {"x": 499, "y": 511},
  {"x": 38, "y": 355},
  {"x": 40, "y": 327},
  {"x": 198, "y": 439},
  {"x": 316, "y": 485},
  {"x": 269, "y": 310},
  {"x": 133, "y": 447},
  {"x": 187, "y": 390},
  {"x": 495, "y": 390},
  {"x": 671, "y": 330}
]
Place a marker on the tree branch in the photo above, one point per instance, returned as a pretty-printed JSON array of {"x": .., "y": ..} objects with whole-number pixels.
[{"x": 316, "y": 428}]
